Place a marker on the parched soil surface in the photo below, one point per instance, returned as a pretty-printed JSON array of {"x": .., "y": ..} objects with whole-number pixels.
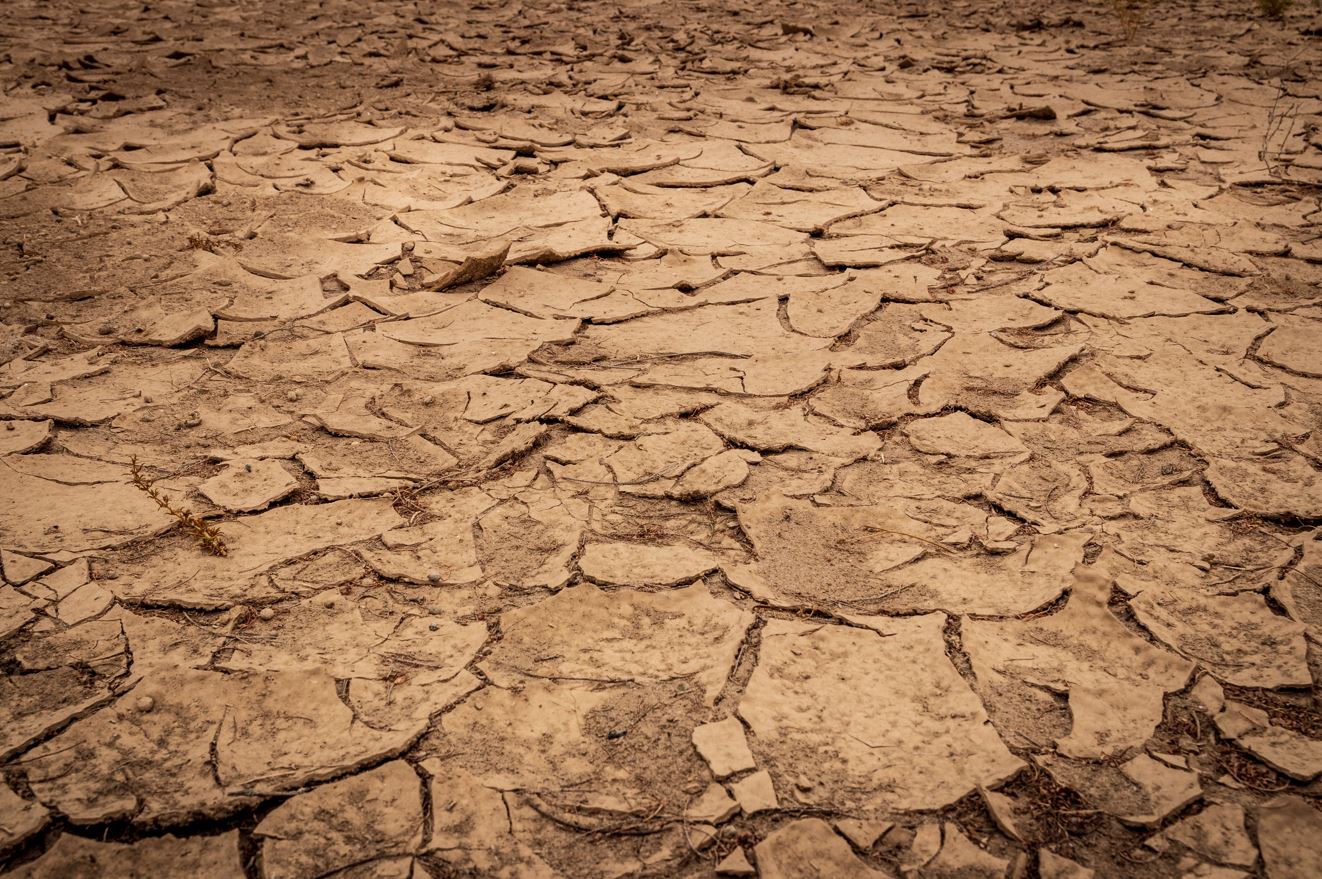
[{"x": 660, "y": 439}]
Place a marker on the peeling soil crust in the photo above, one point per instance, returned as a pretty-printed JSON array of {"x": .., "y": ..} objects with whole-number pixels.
[{"x": 660, "y": 439}]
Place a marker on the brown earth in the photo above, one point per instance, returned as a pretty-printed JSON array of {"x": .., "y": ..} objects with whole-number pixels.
[{"x": 670, "y": 439}]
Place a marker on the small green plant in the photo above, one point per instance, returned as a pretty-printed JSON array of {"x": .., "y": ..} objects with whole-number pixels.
[
  {"x": 1274, "y": 8},
  {"x": 204, "y": 532}
]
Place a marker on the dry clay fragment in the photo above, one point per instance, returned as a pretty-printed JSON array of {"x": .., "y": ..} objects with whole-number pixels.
[
  {"x": 442, "y": 551},
  {"x": 724, "y": 746},
  {"x": 1053, "y": 866},
  {"x": 19, "y": 437},
  {"x": 47, "y": 515},
  {"x": 1292, "y": 753},
  {"x": 959, "y": 858},
  {"x": 923, "y": 742},
  {"x": 756, "y": 793},
  {"x": 1116, "y": 681},
  {"x": 1235, "y": 637},
  {"x": 960, "y": 435},
  {"x": 584, "y": 633},
  {"x": 810, "y": 849},
  {"x": 180, "y": 328},
  {"x": 1285, "y": 484},
  {"x": 1290, "y": 836},
  {"x": 877, "y": 558},
  {"x": 641, "y": 564},
  {"x": 18, "y": 569},
  {"x": 35, "y": 705},
  {"x": 1293, "y": 345},
  {"x": 348, "y": 415},
  {"x": 246, "y": 486},
  {"x": 270, "y": 733},
  {"x": 184, "y": 576},
  {"x": 1300, "y": 591},
  {"x": 1220, "y": 416},
  {"x": 862, "y": 833},
  {"x": 735, "y": 864},
  {"x": 471, "y": 830},
  {"x": 1085, "y": 288},
  {"x": 371, "y": 818},
  {"x": 529, "y": 542},
  {"x": 712, "y": 476},
  {"x": 305, "y": 360},
  {"x": 1217, "y": 833},
  {"x": 775, "y": 430},
  {"x": 160, "y": 857},
  {"x": 925, "y": 845},
  {"x": 1141, "y": 792},
  {"x": 714, "y": 806},
  {"x": 20, "y": 819},
  {"x": 330, "y": 633},
  {"x": 524, "y": 739}
]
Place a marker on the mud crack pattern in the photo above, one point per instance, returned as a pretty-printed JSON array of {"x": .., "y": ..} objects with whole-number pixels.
[{"x": 660, "y": 439}]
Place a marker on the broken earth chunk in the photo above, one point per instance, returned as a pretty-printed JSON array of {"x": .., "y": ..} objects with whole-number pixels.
[
  {"x": 922, "y": 744},
  {"x": 724, "y": 746},
  {"x": 371, "y": 818},
  {"x": 809, "y": 849}
]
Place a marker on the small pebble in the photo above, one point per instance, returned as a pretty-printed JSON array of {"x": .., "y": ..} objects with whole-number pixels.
[
  {"x": 145, "y": 704},
  {"x": 266, "y": 613},
  {"x": 432, "y": 627},
  {"x": 328, "y": 602},
  {"x": 294, "y": 396},
  {"x": 433, "y": 576},
  {"x": 247, "y": 468}
]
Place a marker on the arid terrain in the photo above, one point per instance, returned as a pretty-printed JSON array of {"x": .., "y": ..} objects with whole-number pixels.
[{"x": 660, "y": 439}]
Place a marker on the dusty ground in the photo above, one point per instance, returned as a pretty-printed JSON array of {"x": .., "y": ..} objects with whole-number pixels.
[{"x": 650, "y": 438}]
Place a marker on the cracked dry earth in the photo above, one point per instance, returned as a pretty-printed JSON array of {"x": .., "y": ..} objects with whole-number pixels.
[{"x": 660, "y": 439}]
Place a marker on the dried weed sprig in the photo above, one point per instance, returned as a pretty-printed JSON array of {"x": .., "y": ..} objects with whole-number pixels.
[
  {"x": 203, "y": 531},
  {"x": 1130, "y": 14}
]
